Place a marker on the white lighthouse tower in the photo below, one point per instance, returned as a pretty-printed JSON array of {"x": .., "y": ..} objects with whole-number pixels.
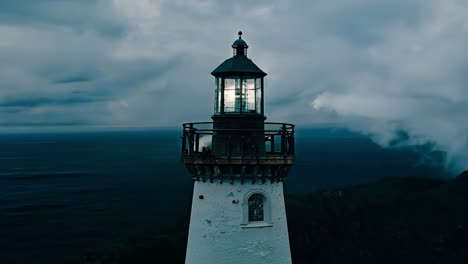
[{"x": 238, "y": 213}]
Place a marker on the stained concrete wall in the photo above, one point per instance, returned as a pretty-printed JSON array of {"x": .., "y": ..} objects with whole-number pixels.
[{"x": 220, "y": 232}]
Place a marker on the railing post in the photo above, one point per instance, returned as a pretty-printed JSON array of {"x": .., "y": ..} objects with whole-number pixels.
[
  {"x": 292, "y": 142},
  {"x": 283, "y": 140},
  {"x": 191, "y": 139},
  {"x": 197, "y": 143},
  {"x": 184, "y": 140},
  {"x": 272, "y": 144}
]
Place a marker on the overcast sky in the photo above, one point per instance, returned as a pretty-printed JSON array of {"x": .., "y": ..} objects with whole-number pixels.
[{"x": 392, "y": 69}]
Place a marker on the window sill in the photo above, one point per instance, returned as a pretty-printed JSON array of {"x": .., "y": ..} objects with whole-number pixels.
[{"x": 257, "y": 225}]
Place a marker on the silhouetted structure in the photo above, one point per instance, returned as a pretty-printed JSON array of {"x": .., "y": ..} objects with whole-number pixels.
[{"x": 238, "y": 163}]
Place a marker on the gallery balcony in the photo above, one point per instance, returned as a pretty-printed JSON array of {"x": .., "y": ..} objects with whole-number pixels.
[{"x": 276, "y": 145}]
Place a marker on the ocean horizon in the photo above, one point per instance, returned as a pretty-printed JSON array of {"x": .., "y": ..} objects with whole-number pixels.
[{"x": 65, "y": 193}]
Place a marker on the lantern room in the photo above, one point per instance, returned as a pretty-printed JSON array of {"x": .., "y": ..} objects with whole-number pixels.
[{"x": 239, "y": 84}]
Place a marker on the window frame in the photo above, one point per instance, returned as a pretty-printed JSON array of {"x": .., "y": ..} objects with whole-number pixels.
[
  {"x": 267, "y": 218},
  {"x": 256, "y": 205},
  {"x": 241, "y": 92}
]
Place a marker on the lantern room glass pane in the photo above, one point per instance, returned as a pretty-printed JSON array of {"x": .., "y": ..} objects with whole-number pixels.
[
  {"x": 249, "y": 96},
  {"x": 217, "y": 104},
  {"x": 240, "y": 84},
  {"x": 219, "y": 96},
  {"x": 258, "y": 95},
  {"x": 241, "y": 95},
  {"x": 229, "y": 95}
]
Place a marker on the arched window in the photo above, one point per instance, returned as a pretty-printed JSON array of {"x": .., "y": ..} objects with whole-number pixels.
[{"x": 256, "y": 208}]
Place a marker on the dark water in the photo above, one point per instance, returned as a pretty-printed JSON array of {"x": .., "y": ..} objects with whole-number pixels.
[{"x": 62, "y": 194}]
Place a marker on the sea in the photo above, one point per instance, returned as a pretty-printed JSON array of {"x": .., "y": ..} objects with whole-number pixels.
[{"x": 68, "y": 193}]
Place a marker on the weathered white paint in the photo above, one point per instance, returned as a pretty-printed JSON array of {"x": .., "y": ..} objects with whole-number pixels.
[{"x": 219, "y": 229}]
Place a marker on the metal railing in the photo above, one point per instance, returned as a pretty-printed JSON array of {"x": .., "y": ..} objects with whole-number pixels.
[{"x": 279, "y": 138}]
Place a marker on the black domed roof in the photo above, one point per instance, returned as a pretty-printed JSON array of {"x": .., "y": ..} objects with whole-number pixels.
[
  {"x": 238, "y": 65},
  {"x": 239, "y": 42}
]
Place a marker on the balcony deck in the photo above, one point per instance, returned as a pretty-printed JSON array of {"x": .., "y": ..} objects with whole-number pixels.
[
  {"x": 279, "y": 145},
  {"x": 271, "y": 164}
]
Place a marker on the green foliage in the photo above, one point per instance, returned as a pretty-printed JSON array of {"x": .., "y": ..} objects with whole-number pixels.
[{"x": 396, "y": 220}]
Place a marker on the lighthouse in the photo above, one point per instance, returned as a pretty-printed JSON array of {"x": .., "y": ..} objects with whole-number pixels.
[{"x": 238, "y": 163}]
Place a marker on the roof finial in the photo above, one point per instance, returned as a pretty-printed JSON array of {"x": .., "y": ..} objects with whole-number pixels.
[{"x": 240, "y": 34}]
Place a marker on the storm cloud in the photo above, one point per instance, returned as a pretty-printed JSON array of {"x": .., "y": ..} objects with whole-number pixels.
[{"x": 383, "y": 68}]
